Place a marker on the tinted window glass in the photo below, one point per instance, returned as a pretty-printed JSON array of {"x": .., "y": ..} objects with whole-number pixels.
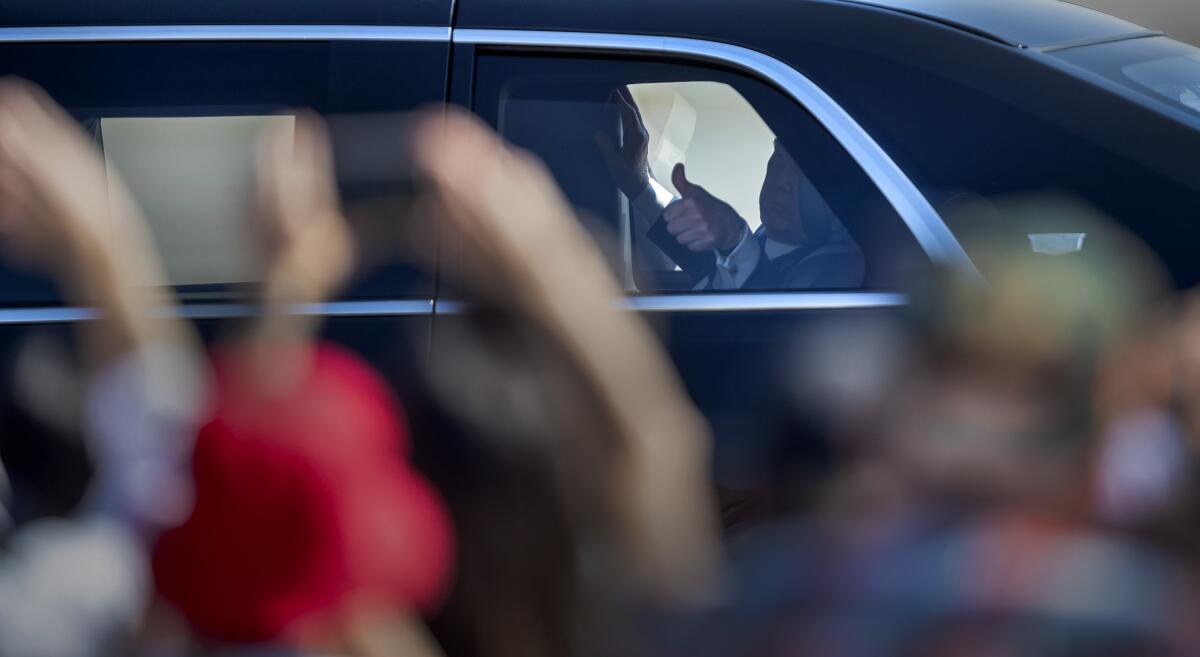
[
  {"x": 180, "y": 121},
  {"x": 765, "y": 200},
  {"x": 1158, "y": 67}
]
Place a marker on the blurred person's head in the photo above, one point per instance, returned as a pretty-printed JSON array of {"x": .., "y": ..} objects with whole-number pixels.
[
  {"x": 501, "y": 398},
  {"x": 822, "y": 413},
  {"x": 1000, "y": 402},
  {"x": 306, "y": 515}
]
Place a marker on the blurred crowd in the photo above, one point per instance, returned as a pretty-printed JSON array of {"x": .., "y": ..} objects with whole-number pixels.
[{"x": 1008, "y": 468}]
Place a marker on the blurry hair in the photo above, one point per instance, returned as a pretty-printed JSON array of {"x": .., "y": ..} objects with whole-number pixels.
[
  {"x": 42, "y": 448},
  {"x": 1043, "y": 321},
  {"x": 491, "y": 422}
]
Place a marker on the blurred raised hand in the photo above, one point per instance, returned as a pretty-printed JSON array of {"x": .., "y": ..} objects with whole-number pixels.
[
  {"x": 505, "y": 208},
  {"x": 306, "y": 246},
  {"x": 305, "y": 250},
  {"x": 54, "y": 190},
  {"x": 64, "y": 213},
  {"x": 528, "y": 253}
]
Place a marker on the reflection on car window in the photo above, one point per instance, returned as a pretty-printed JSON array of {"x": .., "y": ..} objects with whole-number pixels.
[
  {"x": 192, "y": 176},
  {"x": 1177, "y": 78},
  {"x": 707, "y": 181},
  {"x": 1156, "y": 66}
]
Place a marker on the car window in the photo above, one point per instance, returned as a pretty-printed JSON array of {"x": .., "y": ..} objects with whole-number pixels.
[
  {"x": 699, "y": 179},
  {"x": 179, "y": 122}
]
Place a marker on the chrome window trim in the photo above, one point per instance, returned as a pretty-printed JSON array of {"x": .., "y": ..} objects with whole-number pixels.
[
  {"x": 930, "y": 231},
  {"x": 1067, "y": 45},
  {"x": 67, "y": 314},
  {"x": 101, "y": 33},
  {"x": 761, "y": 302},
  {"x": 735, "y": 302}
]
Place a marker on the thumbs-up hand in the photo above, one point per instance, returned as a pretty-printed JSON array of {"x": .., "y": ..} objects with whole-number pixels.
[{"x": 699, "y": 220}]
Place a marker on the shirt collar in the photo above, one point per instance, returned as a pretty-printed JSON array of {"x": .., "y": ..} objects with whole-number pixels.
[{"x": 775, "y": 249}]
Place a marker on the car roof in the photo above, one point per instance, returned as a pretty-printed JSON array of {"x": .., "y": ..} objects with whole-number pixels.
[
  {"x": 1030, "y": 23},
  {"x": 1043, "y": 24}
]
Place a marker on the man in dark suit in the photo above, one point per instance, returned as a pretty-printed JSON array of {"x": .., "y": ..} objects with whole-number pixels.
[{"x": 801, "y": 244}]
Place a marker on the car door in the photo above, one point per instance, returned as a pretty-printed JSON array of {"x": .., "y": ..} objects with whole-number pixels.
[
  {"x": 731, "y": 125},
  {"x": 175, "y": 107}
]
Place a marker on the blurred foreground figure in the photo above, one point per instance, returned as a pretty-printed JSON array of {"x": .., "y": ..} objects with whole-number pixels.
[
  {"x": 1147, "y": 471},
  {"x": 593, "y": 500},
  {"x": 310, "y": 532},
  {"x": 79, "y": 586},
  {"x": 959, "y": 522},
  {"x": 960, "y": 519}
]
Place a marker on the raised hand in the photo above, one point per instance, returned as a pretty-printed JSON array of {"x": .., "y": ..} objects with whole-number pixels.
[
  {"x": 505, "y": 208},
  {"x": 628, "y": 164},
  {"x": 527, "y": 250},
  {"x": 699, "y": 220},
  {"x": 60, "y": 210},
  {"x": 307, "y": 248}
]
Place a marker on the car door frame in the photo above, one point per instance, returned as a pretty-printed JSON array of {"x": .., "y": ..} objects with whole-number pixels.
[{"x": 923, "y": 221}]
